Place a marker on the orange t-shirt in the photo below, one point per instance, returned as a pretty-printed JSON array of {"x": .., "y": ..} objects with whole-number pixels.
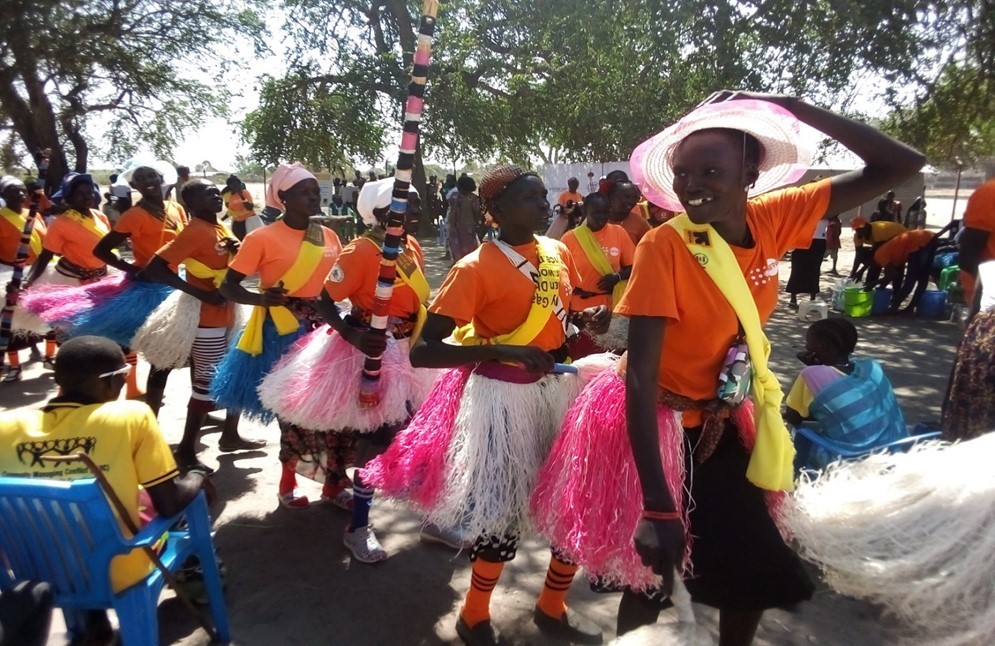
[
  {"x": 235, "y": 203},
  {"x": 199, "y": 241},
  {"x": 619, "y": 249},
  {"x": 566, "y": 196},
  {"x": 897, "y": 250},
  {"x": 10, "y": 238},
  {"x": 67, "y": 238},
  {"x": 486, "y": 289},
  {"x": 668, "y": 282},
  {"x": 147, "y": 232},
  {"x": 271, "y": 251},
  {"x": 980, "y": 215},
  {"x": 355, "y": 277},
  {"x": 635, "y": 224}
]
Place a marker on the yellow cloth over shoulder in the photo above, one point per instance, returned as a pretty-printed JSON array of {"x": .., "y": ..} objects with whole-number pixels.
[
  {"x": 410, "y": 274},
  {"x": 772, "y": 461},
  {"x": 308, "y": 258},
  {"x": 18, "y": 221},
  {"x": 598, "y": 259},
  {"x": 542, "y": 308}
]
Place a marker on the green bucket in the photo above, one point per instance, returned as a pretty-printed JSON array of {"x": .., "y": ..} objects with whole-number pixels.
[{"x": 857, "y": 303}]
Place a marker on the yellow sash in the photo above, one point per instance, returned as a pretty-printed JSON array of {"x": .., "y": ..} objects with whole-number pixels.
[
  {"x": 772, "y": 461},
  {"x": 598, "y": 258},
  {"x": 544, "y": 303},
  {"x": 89, "y": 222},
  {"x": 18, "y": 221},
  {"x": 308, "y": 258},
  {"x": 200, "y": 270},
  {"x": 410, "y": 274}
]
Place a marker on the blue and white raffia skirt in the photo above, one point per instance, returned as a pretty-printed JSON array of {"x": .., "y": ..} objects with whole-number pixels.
[{"x": 239, "y": 374}]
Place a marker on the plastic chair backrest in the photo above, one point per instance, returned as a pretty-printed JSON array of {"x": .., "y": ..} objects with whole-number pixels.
[{"x": 60, "y": 532}]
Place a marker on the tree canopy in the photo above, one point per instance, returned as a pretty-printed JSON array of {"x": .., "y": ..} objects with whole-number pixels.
[
  {"x": 64, "y": 61},
  {"x": 561, "y": 80}
]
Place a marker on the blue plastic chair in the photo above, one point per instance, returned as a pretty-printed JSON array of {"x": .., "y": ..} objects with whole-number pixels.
[
  {"x": 807, "y": 434},
  {"x": 65, "y": 533}
]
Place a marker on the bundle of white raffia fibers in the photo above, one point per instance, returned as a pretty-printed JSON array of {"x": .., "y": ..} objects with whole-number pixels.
[
  {"x": 168, "y": 333},
  {"x": 683, "y": 632},
  {"x": 592, "y": 365},
  {"x": 914, "y": 532}
]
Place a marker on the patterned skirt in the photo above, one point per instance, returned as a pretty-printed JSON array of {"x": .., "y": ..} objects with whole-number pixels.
[{"x": 969, "y": 410}]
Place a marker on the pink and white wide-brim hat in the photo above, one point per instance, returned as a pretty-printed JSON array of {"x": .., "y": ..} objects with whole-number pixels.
[{"x": 783, "y": 160}]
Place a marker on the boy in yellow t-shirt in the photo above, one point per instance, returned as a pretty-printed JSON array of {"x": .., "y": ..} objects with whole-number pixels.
[{"x": 122, "y": 437}]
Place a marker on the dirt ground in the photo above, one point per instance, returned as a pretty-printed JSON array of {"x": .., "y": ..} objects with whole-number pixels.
[{"x": 290, "y": 580}]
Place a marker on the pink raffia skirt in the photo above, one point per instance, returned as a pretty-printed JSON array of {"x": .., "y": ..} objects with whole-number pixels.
[
  {"x": 588, "y": 499},
  {"x": 472, "y": 453},
  {"x": 315, "y": 386},
  {"x": 56, "y": 298}
]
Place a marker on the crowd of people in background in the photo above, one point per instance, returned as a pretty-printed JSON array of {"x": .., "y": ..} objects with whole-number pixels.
[{"x": 492, "y": 390}]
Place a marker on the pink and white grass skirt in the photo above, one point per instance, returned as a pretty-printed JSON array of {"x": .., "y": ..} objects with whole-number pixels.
[
  {"x": 588, "y": 498},
  {"x": 316, "y": 385},
  {"x": 472, "y": 453}
]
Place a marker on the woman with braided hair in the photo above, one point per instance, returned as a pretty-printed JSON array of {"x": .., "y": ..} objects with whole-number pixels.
[{"x": 472, "y": 452}]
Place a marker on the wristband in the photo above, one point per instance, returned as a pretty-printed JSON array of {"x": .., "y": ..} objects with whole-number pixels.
[{"x": 661, "y": 515}]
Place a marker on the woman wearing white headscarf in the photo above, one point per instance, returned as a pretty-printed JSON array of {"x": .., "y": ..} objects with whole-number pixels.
[{"x": 315, "y": 391}]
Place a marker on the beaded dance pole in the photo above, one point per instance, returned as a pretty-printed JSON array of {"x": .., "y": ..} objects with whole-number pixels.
[
  {"x": 14, "y": 286},
  {"x": 369, "y": 394}
]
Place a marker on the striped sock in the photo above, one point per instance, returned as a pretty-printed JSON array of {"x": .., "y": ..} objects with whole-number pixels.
[
  {"x": 552, "y": 599},
  {"x": 362, "y": 500},
  {"x": 483, "y": 579}
]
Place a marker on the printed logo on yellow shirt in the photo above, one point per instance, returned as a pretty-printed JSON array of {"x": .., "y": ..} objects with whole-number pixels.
[{"x": 39, "y": 450}]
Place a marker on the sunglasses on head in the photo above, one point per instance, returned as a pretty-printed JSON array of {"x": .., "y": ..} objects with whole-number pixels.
[{"x": 120, "y": 371}]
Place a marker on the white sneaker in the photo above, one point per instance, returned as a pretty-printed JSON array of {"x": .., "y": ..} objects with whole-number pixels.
[
  {"x": 455, "y": 537},
  {"x": 342, "y": 500},
  {"x": 364, "y": 545}
]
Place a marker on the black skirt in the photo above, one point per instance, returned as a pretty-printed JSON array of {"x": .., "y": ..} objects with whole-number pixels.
[
  {"x": 740, "y": 561},
  {"x": 806, "y": 265}
]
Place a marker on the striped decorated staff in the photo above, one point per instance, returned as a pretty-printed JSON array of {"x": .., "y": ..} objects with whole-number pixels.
[
  {"x": 369, "y": 393},
  {"x": 23, "y": 249}
]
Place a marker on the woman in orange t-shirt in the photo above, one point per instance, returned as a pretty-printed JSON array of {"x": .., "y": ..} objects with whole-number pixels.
[
  {"x": 195, "y": 325},
  {"x": 238, "y": 205},
  {"x": 472, "y": 452},
  {"x": 118, "y": 313},
  {"x": 595, "y": 288},
  {"x": 681, "y": 331},
  {"x": 625, "y": 212},
  {"x": 292, "y": 258},
  {"x": 317, "y": 389},
  {"x": 13, "y": 219}
]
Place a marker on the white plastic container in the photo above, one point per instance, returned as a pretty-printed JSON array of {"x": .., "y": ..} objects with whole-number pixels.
[{"x": 809, "y": 311}]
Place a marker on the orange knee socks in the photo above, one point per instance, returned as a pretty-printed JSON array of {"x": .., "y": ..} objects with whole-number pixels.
[
  {"x": 14, "y": 359},
  {"x": 477, "y": 606},
  {"x": 50, "y": 347},
  {"x": 133, "y": 390},
  {"x": 559, "y": 576}
]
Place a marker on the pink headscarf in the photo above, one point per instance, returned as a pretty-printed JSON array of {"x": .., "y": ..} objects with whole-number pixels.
[{"x": 284, "y": 177}]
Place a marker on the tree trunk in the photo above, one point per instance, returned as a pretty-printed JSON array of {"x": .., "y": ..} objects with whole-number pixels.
[{"x": 34, "y": 119}]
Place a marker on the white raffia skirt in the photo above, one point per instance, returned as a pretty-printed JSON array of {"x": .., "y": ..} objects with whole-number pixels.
[{"x": 914, "y": 532}]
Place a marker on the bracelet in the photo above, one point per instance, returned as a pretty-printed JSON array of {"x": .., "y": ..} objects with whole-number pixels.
[{"x": 661, "y": 515}]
